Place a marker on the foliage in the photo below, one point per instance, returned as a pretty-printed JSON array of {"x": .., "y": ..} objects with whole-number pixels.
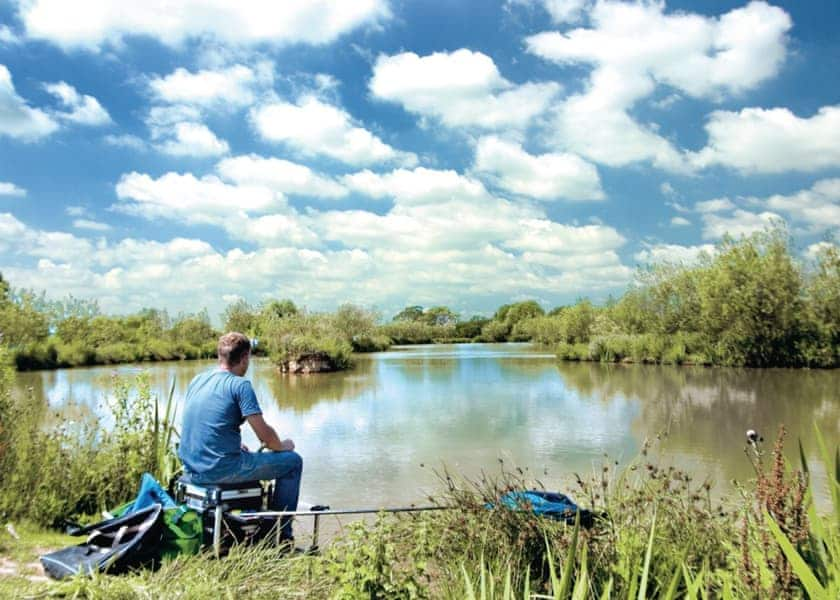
[
  {"x": 81, "y": 467},
  {"x": 751, "y": 304},
  {"x": 657, "y": 534}
]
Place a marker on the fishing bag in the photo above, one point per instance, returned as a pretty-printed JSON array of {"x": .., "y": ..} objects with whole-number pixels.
[
  {"x": 547, "y": 504},
  {"x": 114, "y": 545}
]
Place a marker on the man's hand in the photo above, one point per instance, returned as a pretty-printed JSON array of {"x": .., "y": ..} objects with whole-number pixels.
[{"x": 267, "y": 435}]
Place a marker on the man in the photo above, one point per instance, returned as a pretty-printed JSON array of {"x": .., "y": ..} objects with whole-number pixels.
[{"x": 217, "y": 403}]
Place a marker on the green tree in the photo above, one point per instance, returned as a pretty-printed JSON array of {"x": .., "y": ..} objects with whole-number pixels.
[
  {"x": 750, "y": 301},
  {"x": 440, "y": 316},
  {"x": 409, "y": 313},
  {"x": 242, "y": 317}
]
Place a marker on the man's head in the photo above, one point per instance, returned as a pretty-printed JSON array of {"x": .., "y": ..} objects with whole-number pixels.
[{"x": 234, "y": 352}]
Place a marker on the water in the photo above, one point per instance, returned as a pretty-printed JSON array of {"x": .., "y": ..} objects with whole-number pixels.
[{"x": 375, "y": 435}]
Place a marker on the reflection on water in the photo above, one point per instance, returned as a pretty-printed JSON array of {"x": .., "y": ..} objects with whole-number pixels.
[{"x": 365, "y": 433}]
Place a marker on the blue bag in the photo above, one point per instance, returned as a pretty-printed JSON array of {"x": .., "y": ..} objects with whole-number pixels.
[{"x": 546, "y": 504}]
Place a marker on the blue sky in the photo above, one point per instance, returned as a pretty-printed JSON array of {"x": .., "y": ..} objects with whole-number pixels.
[{"x": 183, "y": 154}]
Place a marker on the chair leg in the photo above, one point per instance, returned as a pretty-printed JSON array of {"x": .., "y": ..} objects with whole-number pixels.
[{"x": 217, "y": 531}]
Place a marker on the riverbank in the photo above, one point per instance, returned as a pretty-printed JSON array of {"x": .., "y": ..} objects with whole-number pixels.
[{"x": 658, "y": 535}]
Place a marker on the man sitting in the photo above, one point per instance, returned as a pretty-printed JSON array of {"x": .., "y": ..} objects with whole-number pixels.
[{"x": 217, "y": 403}]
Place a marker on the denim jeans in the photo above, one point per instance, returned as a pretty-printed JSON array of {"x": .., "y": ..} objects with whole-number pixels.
[{"x": 285, "y": 468}]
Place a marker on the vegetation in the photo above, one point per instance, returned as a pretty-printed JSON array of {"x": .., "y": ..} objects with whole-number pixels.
[{"x": 752, "y": 303}]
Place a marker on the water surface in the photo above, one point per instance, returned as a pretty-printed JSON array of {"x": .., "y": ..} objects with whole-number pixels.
[{"x": 376, "y": 434}]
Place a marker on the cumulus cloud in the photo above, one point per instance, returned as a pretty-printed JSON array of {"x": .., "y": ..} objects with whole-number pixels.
[
  {"x": 561, "y": 11},
  {"x": 192, "y": 139},
  {"x": 633, "y": 49},
  {"x": 817, "y": 208},
  {"x": 7, "y": 36},
  {"x": 91, "y": 225},
  {"x": 680, "y": 222},
  {"x": 81, "y": 108},
  {"x": 388, "y": 271},
  {"x": 756, "y": 140},
  {"x": 313, "y": 127},
  {"x": 461, "y": 88},
  {"x": 544, "y": 177},
  {"x": 234, "y": 86},
  {"x": 126, "y": 140},
  {"x": 190, "y": 199},
  {"x": 739, "y": 222},
  {"x": 417, "y": 186},
  {"x": 17, "y": 118},
  {"x": 93, "y": 24},
  {"x": 673, "y": 253},
  {"x": 10, "y": 189},
  {"x": 714, "y": 205},
  {"x": 280, "y": 175}
]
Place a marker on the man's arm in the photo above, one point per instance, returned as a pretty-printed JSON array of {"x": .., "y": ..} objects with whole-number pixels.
[{"x": 267, "y": 435}]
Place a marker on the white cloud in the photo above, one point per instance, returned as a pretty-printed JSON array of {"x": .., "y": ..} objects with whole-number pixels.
[
  {"x": 565, "y": 11},
  {"x": 714, "y": 205},
  {"x": 7, "y": 36},
  {"x": 280, "y": 175},
  {"x": 234, "y": 86},
  {"x": 740, "y": 222},
  {"x": 10, "y": 189},
  {"x": 313, "y": 127},
  {"x": 818, "y": 208},
  {"x": 83, "y": 109},
  {"x": 91, "y": 24},
  {"x": 462, "y": 88},
  {"x": 545, "y": 177},
  {"x": 11, "y": 230},
  {"x": 189, "y": 199},
  {"x": 91, "y": 225},
  {"x": 757, "y": 140},
  {"x": 193, "y": 139},
  {"x": 542, "y": 235},
  {"x": 126, "y": 141},
  {"x": 17, "y": 118},
  {"x": 815, "y": 250},
  {"x": 666, "y": 189},
  {"x": 673, "y": 253},
  {"x": 417, "y": 186},
  {"x": 634, "y": 48},
  {"x": 680, "y": 222}
]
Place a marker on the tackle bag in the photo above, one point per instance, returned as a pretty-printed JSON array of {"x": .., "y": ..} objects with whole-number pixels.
[
  {"x": 547, "y": 504},
  {"x": 114, "y": 545}
]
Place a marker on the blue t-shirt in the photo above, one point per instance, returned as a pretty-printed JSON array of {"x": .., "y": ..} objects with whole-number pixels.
[{"x": 216, "y": 405}]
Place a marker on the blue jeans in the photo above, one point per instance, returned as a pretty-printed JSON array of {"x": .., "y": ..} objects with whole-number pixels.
[{"x": 285, "y": 468}]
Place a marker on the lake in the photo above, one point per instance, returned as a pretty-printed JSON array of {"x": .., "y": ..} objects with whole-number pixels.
[{"x": 375, "y": 435}]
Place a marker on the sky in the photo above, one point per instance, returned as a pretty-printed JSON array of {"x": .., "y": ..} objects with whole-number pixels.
[{"x": 183, "y": 155}]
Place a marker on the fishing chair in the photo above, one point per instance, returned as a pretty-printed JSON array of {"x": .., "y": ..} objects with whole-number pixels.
[{"x": 214, "y": 502}]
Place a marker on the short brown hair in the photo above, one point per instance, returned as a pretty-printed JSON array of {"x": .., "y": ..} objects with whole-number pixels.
[{"x": 232, "y": 347}]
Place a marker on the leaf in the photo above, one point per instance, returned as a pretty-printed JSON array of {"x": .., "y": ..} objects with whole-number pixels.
[
  {"x": 582, "y": 583},
  {"x": 648, "y": 553},
  {"x": 562, "y": 591},
  {"x": 797, "y": 563}
]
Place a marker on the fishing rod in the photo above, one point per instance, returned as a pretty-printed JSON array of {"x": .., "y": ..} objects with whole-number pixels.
[{"x": 319, "y": 511}]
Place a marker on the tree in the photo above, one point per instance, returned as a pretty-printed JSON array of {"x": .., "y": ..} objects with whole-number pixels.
[
  {"x": 354, "y": 321},
  {"x": 242, "y": 317},
  {"x": 409, "y": 313},
  {"x": 440, "y": 316}
]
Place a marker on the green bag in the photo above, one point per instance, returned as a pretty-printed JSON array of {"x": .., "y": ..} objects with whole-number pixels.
[{"x": 182, "y": 532}]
